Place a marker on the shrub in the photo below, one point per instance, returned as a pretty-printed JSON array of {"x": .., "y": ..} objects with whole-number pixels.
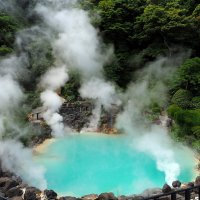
[
  {"x": 182, "y": 98},
  {"x": 195, "y": 103},
  {"x": 172, "y": 110}
]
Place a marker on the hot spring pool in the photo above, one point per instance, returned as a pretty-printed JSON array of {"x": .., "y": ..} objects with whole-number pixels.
[{"x": 94, "y": 163}]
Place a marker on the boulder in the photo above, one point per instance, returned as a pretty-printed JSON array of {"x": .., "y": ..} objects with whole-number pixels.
[
  {"x": 197, "y": 180},
  {"x": 122, "y": 197},
  {"x": 90, "y": 197},
  {"x": 176, "y": 184},
  {"x": 68, "y": 198},
  {"x": 166, "y": 188},
  {"x": 31, "y": 193},
  {"x": 50, "y": 194},
  {"x": 14, "y": 192},
  {"x": 150, "y": 192},
  {"x": 106, "y": 196},
  {"x": 7, "y": 183},
  {"x": 190, "y": 184}
]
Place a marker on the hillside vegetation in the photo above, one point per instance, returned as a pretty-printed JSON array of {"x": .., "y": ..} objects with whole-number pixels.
[{"x": 140, "y": 31}]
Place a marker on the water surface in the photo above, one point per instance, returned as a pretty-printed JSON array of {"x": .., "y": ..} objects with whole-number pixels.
[{"x": 94, "y": 163}]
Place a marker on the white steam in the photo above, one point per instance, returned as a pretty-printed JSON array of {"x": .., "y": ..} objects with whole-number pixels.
[
  {"x": 161, "y": 148},
  {"x": 17, "y": 159},
  {"x": 13, "y": 157},
  {"x": 77, "y": 45},
  {"x": 52, "y": 81},
  {"x": 151, "y": 139},
  {"x": 103, "y": 92}
]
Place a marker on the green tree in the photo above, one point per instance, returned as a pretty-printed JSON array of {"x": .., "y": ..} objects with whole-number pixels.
[
  {"x": 188, "y": 76},
  {"x": 9, "y": 26},
  {"x": 159, "y": 22},
  {"x": 182, "y": 98}
]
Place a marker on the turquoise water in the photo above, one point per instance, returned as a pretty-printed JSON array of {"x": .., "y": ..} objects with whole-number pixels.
[{"x": 84, "y": 164}]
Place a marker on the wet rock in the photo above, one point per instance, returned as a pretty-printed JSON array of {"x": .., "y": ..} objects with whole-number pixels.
[
  {"x": 68, "y": 198},
  {"x": 122, "y": 197},
  {"x": 14, "y": 192},
  {"x": 50, "y": 194},
  {"x": 90, "y": 197},
  {"x": 151, "y": 192},
  {"x": 166, "y": 188},
  {"x": 7, "y": 183},
  {"x": 197, "y": 180},
  {"x": 176, "y": 184},
  {"x": 190, "y": 184},
  {"x": 106, "y": 196},
  {"x": 31, "y": 193},
  {"x": 135, "y": 197}
]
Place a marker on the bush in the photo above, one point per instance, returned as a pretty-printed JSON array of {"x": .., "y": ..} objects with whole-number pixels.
[
  {"x": 188, "y": 76},
  {"x": 196, "y": 131},
  {"x": 195, "y": 103},
  {"x": 172, "y": 110},
  {"x": 188, "y": 118},
  {"x": 4, "y": 50},
  {"x": 182, "y": 98}
]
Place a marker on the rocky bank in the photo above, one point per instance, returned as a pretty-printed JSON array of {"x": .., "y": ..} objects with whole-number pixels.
[{"x": 13, "y": 188}]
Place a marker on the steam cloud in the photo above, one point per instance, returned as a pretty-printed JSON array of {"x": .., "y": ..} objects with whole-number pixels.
[
  {"x": 17, "y": 159},
  {"x": 13, "y": 156},
  {"x": 151, "y": 139},
  {"x": 79, "y": 47},
  {"x": 52, "y": 81}
]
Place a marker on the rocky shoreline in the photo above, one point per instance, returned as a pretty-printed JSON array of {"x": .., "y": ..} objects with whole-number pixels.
[{"x": 13, "y": 188}]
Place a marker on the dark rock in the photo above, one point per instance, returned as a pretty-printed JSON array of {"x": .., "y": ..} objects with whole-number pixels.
[
  {"x": 176, "y": 184},
  {"x": 166, "y": 188},
  {"x": 151, "y": 192},
  {"x": 14, "y": 192},
  {"x": 135, "y": 197},
  {"x": 106, "y": 196},
  {"x": 197, "y": 180},
  {"x": 68, "y": 198},
  {"x": 90, "y": 197},
  {"x": 50, "y": 194},
  {"x": 31, "y": 193},
  {"x": 7, "y": 183},
  {"x": 190, "y": 184},
  {"x": 122, "y": 197}
]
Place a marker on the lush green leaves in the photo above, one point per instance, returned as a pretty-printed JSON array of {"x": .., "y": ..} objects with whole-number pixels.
[
  {"x": 182, "y": 98},
  {"x": 188, "y": 76}
]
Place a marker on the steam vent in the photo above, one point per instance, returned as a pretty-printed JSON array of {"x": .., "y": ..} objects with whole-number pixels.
[{"x": 99, "y": 100}]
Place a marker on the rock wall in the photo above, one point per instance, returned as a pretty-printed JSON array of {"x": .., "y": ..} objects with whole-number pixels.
[
  {"x": 13, "y": 188},
  {"x": 77, "y": 115}
]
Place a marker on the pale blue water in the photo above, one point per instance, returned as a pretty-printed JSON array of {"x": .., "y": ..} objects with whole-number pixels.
[{"x": 84, "y": 164}]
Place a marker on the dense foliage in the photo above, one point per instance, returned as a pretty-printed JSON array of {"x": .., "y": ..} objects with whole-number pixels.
[{"x": 140, "y": 31}]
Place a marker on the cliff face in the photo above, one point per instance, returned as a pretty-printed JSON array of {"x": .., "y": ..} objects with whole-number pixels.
[{"x": 77, "y": 115}]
